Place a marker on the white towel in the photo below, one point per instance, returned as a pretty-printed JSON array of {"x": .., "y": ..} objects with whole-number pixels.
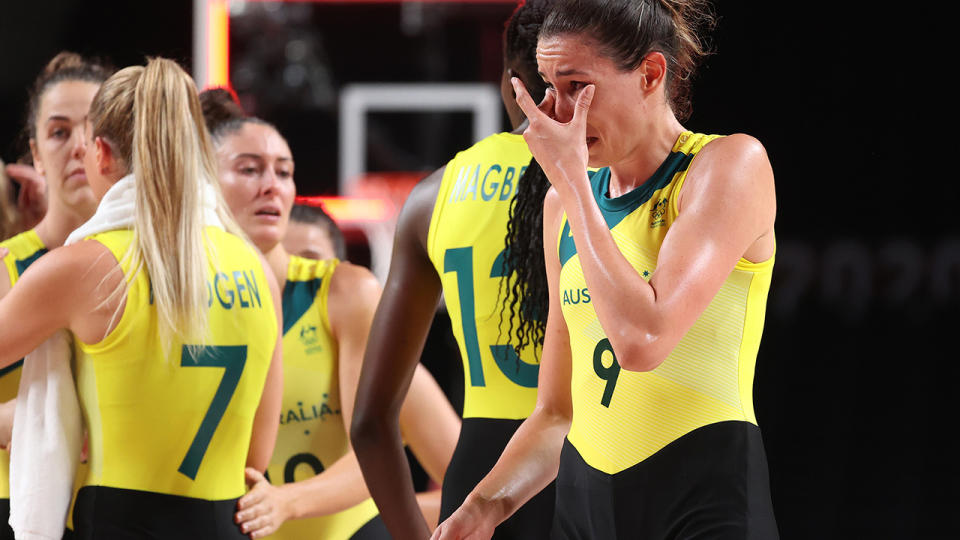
[
  {"x": 47, "y": 438},
  {"x": 116, "y": 210},
  {"x": 47, "y": 423}
]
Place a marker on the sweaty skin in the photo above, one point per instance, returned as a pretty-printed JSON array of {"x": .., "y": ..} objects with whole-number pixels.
[
  {"x": 719, "y": 223},
  {"x": 598, "y": 115}
]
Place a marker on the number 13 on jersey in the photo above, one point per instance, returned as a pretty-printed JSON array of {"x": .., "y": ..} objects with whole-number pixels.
[{"x": 460, "y": 261}]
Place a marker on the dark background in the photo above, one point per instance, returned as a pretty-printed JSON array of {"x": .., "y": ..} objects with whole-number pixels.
[{"x": 857, "y": 371}]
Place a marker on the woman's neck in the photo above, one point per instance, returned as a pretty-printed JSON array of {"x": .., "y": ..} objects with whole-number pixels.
[
  {"x": 279, "y": 260},
  {"x": 654, "y": 147},
  {"x": 59, "y": 221}
]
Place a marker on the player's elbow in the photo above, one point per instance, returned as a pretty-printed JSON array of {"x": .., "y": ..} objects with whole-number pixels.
[
  {"x": 643, "y": 351},
  {"x": 362, "y": 430},
  {"x": 367, "y": 429}
]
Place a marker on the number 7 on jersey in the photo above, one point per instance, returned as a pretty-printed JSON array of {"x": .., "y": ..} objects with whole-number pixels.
[{"x": 230, "y": 357}]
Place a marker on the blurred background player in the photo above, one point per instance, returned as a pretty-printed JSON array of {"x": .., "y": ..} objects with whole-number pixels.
[
  {"x": 314, "y": 488},
  {"x": 58, "y": 104},
  {"x": 31, "y": 203},
  {"x": 450, "y": 238},
  {"x": 9, "y": 215},
  {"x": 312, "y": 234}
]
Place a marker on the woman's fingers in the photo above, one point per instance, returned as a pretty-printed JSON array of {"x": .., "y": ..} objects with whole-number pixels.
[
  {"x": 524, "y": 100},
  {"x": 584, "y": 99},
  {"x": 261, "y": 511},
  {"x": 257, "y": 528},
  {"x": 26, "y": 176},
  {"x": 250, "y": 499},
  {"x": 253, "y": 476},
  {"x": 32, "y": 202},
  {"x": 251, "y": 507},
  {"x": 547, "y": 105}
]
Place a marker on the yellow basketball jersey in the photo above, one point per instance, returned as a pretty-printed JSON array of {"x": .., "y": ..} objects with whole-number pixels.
[
  {"x": 621, "y": 417},
  {"x": 312, "y": 435},
  {"x": 179, "y": 423},
  {"x": 24, "y": 249},
  {"x": 466, "y": 243}
]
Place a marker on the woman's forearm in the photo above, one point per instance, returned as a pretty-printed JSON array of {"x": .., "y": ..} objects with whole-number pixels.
[
  {"x": 387, "y": 473},
  {"x": 429, "y": 425},
  {"x": 625, "y": 303},
  {"x": 528, "y": 464},
  {"x": 337, "y": 488}
]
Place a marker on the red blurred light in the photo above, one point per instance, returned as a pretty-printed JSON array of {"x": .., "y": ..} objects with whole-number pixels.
[{"x": 351, "y": 209}]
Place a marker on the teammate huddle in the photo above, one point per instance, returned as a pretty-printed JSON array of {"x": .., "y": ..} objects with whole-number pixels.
[{"x": 607, "y": 297}]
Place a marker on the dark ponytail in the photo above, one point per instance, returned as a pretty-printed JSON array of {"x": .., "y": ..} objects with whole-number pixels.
[
  {"x": 527, "y": 293},
  {"x": 525, "y": 289},
  {"x": 520, "y": 43},
  {"x": 223, "y": 114}
]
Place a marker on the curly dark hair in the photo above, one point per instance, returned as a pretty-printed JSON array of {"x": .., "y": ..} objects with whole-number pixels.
[
  {"x": 524, "y": 291},
  {"x": 527, "y": 293},
  {"x": 520, "y": 42}
]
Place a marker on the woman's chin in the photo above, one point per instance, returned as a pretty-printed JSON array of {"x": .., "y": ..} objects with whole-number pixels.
[
  {"x": 264, "y": 237},
  {"x": 82, "y": 199}
]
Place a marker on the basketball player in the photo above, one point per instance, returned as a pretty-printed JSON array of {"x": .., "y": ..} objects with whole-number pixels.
[
  {"x": 315, "y": 488},
  {"x": 450, "y": 239},
  {"x": 58, "y": 103},
  {"x": 658, "y": 268},
  {"x": 176, "y": 342},
  {"x": 313, "y": 234}
]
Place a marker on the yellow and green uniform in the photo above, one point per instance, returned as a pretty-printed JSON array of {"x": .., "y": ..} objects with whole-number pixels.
[
  {"x": 627, "y": 426},
  {"x": 172, "y": 426},
  {"x": 312, "y": 435},
  {"x": 465, "y": 243},
  {"x": 24, "y": 249}
]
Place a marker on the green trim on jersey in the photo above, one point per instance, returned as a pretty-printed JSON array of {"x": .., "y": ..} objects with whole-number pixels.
[
  {"x": 614, "y": 210},
  {"x": 465, "y": 243},
  {"x": 23, "y": 264},
  {"x": 298, "y": 297},
  {"x": 23, "y": 250}
]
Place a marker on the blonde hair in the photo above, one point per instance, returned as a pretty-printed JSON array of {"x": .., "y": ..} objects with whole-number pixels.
[
  {"x": 152, "y": 120},
  {"x": 9, "y": 217}
]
